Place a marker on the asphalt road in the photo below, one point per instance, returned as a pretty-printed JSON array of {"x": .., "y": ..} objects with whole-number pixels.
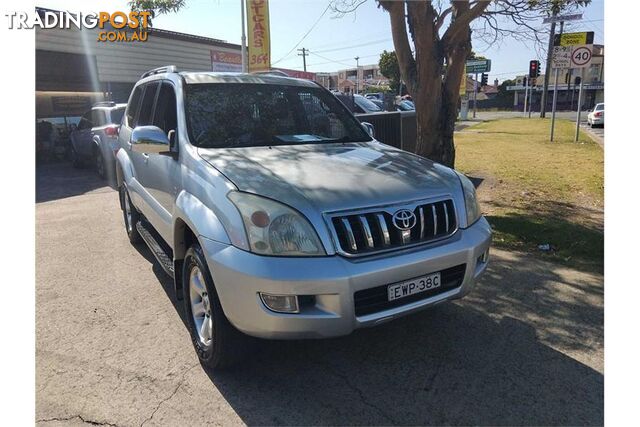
[{"x": 525, "y": 348}]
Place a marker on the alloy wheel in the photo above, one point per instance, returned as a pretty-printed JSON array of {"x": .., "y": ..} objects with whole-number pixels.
[{"x": 200, "y": 307}]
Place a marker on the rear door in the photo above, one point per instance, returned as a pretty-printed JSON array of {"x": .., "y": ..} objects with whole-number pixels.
[{"x": 82, "y": 136}]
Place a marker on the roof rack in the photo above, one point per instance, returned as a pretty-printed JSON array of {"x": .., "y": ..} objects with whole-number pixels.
[
  {"x": 272, "y": 73},
  {"x": 159, "y": 70},
  {"x": 104, "y": 104}
]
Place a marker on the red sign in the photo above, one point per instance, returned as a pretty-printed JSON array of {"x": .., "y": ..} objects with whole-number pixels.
[
  {"x": 297, "y": 74},
  {"x": 225, "y": 61}
]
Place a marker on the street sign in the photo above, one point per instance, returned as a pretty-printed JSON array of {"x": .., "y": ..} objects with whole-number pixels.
[
  {"x": 572, "y": 39},
  {"x": 581, "y": 56},
  {"x": 560, "y": 18},
  {"x": 567, "y": 57},
  {"x": 561, "y": 57},
  {"x": 474, "y": 66}
]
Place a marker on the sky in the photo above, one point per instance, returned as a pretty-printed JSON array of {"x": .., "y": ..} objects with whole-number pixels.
[{"x": 333, "y": 41}]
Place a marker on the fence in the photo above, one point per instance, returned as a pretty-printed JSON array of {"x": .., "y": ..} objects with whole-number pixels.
[{"x": 395, "y": 128}]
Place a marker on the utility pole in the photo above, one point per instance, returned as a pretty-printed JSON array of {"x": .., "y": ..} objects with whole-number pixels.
[
  {"x": 555, "y": 90},
  {"x": 243, "y": 40},
  {"x": 304, "y": 54},
  {"x": 545, "y": 87},
  {"x": 357, "y": 58}
]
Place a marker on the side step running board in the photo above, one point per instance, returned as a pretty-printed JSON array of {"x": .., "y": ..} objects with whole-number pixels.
[{"x": 165, "y": 261}]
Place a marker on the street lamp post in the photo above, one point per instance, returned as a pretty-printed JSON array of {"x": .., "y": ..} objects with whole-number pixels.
[{"x": 357, "y": 58}]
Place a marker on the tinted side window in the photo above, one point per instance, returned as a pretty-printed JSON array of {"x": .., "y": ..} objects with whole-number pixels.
[
  {"x": 97, "y": 118},
  {"x": 146, "y": 106},
  {"x": 116, "y": 115},
  {"x": 132, "y": 108},
  {"x": 165, "y": 112}
]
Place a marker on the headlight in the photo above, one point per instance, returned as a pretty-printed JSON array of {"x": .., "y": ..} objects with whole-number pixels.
[
  {"x": 275, "y": 229},
  {"x": 470, "y": 200}
]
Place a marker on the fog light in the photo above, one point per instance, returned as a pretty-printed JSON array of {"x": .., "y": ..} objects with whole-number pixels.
[
  {"x": 280, "y": 303},
  {"x": 484, "y": 257}
]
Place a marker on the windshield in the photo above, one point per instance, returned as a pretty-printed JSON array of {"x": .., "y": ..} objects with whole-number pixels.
[
  {"x": 366, "y": 104},
  {"x": 223, "y": 115}
]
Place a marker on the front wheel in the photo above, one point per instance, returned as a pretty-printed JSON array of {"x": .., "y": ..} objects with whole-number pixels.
[
  {"x": 131, "y": 216},
  {"x": 217, "y": 343}
]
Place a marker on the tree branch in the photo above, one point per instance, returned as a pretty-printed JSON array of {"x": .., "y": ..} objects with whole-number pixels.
[{"x": 406, "y": 61}]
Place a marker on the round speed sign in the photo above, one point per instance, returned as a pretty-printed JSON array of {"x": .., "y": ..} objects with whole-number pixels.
[{"x": 581, "y": 56}]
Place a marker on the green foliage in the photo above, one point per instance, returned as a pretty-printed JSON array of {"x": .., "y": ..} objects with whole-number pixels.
[
  {"x": 473, "y": 55},
  {"x": 389, "y": 68},
  {"x": 157, "y": 7},
  {"x": 503, "y": 93}
]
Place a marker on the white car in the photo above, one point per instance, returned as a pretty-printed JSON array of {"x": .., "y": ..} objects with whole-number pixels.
[{"x": 596, "y": 116}]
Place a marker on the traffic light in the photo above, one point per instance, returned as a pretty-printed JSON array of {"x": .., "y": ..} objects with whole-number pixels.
[
  {"x": 484, "y": 80},
  {"x": 577, "y": 81},
  {"x": 534, "y": 68},
  {"x": 524, "y": 81}
]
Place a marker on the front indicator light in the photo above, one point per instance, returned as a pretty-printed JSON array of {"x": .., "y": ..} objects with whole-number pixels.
[{"x": 280, "y": 303}]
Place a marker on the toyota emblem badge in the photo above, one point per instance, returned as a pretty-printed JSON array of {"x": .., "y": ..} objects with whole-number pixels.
[{"x": 404, "y": 219}]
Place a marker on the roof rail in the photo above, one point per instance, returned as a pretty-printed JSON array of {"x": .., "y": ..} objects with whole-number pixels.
[
  {"x": 159, "y": 70},
  {"x": 272, "y": 73},
  {"x": 105, "y": 104}
]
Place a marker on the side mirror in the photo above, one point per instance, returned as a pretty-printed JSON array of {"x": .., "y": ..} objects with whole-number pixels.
[
  {"x": 368, "y": 127},
  {"x": 149, "y": 140}
]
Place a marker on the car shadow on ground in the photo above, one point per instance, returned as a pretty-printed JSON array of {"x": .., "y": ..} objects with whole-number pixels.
[
  {"x": 58, "y": 180},
  {"x": 473, "y": 361}
]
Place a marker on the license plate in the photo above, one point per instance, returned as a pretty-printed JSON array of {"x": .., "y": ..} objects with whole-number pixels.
[{"x": 413, "y": 286}]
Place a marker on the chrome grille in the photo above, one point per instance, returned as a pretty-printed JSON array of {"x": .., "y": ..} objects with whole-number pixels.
[{"x": 361, "y": 233}]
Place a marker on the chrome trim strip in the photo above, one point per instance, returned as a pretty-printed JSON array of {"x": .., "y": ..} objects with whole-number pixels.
[
  {"x": 385, "y": 230},
  {"x": 421, "y": 222},
  {"x": 367, "y": 231},
  {"x": 406, "y": 236},
  {"x": 350, "y": 236},
  {"x": 446, "y": 217},
  {"x": 435, "y": 219}
]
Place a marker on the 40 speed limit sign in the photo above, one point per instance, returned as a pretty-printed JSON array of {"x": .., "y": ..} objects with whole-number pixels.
[{"x": 581, "y": 56}]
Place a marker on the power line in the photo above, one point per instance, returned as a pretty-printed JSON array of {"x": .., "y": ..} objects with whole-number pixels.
[
  {"x": 305, "y": 34},
  {"x": 330, "y": 60},
  {"x": 355, "y": 45}
]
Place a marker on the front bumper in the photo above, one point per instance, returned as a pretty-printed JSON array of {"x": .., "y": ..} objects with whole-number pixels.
[{"x": 239, "y": 276}]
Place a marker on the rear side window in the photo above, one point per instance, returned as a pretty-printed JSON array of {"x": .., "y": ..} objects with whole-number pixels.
[
  {"x": 98, "y": 118},
  {"x": 116, "y": 115},
  {"x": 145, "y": 115},
  {"x": 132, "y": 108}
]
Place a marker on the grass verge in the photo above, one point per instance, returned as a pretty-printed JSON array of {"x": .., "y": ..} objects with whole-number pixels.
[{"x": 535, "y": 192}]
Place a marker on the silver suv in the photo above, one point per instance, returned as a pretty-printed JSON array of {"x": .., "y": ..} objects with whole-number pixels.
[{"x": 280, "y": 216}]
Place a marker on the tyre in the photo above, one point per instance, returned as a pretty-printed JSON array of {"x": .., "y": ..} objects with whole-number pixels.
[
  {"x": 131, "y": 216},
  {"x": 75, "y": 158},
  {"x": 99, "y": 163},
  {"x": 218, "y": 344}
]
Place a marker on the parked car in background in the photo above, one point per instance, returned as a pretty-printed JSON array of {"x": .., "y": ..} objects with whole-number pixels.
[
  {"x": 596, "y": 116},
  {"x": 405, "y": 105},
  {"x": 378, "y": 102},
  {"x": 375, "y": 96},
  {"x": 279, "y": 215},
  {"x": 364, "y": 105},
  {"x": 96, "y": 138}
]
